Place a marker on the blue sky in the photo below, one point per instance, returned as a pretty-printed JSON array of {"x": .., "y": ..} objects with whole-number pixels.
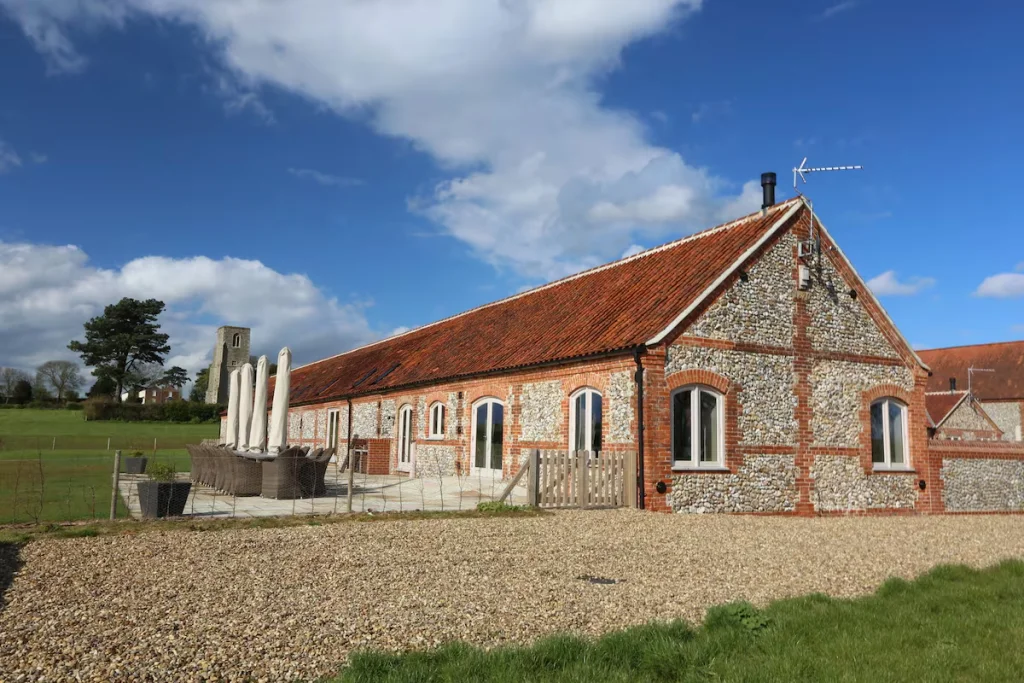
[{"x": 329, "y": 172}]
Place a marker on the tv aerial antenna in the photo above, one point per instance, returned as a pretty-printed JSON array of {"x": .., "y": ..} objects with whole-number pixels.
[{"x": 802, "y": 170}]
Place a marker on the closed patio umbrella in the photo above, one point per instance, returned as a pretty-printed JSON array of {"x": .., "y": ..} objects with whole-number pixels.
[
  {"x": 258, "y": 431},
  {"x": 279, "y": 413},
  {"x": 233, "y": 397},
  {"x": 245, "y": 406}
]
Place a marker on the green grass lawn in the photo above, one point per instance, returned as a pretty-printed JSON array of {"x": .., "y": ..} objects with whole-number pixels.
[
  {"x": 73, "y": 482},
  {"x": 953, "y": 624}
]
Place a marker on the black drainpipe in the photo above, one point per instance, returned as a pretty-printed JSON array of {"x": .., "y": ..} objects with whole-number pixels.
[{"x": 639, "y": 379}]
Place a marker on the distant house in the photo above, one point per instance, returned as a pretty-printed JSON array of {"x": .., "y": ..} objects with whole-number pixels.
[
  {"x": 957, "y": 416},
  {"x": 997, "y": 381},
  {"x": 155, "y": 394}
]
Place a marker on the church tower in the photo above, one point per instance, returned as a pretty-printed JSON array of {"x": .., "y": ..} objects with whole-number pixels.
[{"x": 230, "y": 352}]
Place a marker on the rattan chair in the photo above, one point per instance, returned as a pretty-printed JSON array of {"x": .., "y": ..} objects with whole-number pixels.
[
  {"x": 315, "y": 470},
  {"x": 282, "y": 475},
  {"x": 247, "y": 476}
]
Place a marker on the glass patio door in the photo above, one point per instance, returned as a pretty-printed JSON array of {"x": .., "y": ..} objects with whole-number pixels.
[
  {"x": 488, "y": 433},
  {"x": 405, "y": 439}
]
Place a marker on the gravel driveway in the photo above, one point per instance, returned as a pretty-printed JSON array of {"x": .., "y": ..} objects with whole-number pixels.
[{"x": 277, "y": 604}]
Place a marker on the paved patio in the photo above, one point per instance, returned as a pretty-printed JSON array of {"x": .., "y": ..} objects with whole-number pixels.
[{"x": 370, "y": 493}]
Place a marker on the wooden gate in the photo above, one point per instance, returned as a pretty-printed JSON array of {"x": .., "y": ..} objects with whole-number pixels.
[{"x": 579, "y": 479}]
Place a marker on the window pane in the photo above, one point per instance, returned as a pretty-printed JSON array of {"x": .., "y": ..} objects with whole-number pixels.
[
  {"x": 480, "y": 434},
  {"x": 497, "y": 417},
  {"x": 681, "y": 427},
  {"x": 708, "y": 427},
  {"x": 579, "y": 417},
  {"x": 896, "y": 436},
  {"x": 595, "y": 421},
  {"x": 440, "y": 420},
  {"x": 877, "y": 434}
]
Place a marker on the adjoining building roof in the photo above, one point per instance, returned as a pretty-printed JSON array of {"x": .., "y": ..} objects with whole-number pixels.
[
  {"x": 940, "y": 404},
  {"x": 1006, "y": 359}
]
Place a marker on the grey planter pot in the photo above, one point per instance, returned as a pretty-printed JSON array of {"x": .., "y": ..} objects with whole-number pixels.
[
  {"x": 163, "y": 498},
  {"x": 135, "y": 465}
]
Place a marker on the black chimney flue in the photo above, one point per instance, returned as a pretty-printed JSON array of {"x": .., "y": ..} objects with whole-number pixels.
[
  {"x": 768, "y": 187},
  {"x": 952, "y": 384}
]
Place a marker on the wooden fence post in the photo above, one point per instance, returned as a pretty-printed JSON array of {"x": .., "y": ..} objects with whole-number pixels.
[
  {"x": 533, "y": 481},
  {"x": 583, "y": 480},
  {"x": 115, "y": 493},
  {"x": 630, "y": 479}
]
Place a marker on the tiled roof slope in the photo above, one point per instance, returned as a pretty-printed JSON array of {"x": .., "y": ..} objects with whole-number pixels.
[
  {"x": 609, "y": 308},
  {"x": 1007, "y": 359},
  {"x": 940, "y": 405}
]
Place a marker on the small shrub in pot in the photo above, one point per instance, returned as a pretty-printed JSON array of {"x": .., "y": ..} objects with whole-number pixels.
[{"x": 163, "y": 495}]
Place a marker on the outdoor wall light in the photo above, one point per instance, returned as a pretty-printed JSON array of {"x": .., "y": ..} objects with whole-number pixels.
[
  {"x": 922, "y": 485},
  {"x": 660, "y": 487},
  {"x": 853, "y": 293},
  {"x": 743, "y": 276}
]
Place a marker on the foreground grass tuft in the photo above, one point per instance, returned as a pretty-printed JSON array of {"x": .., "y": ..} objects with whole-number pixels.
[{"x": 952, "y": 624}]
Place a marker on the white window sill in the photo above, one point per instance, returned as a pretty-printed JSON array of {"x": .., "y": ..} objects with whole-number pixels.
[
  {"x": 683, "y": 468},
  {"x": 435, "y": 438},
  {"x": 897, "y": 470}
]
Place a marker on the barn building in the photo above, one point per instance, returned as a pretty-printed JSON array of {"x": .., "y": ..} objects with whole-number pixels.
[{"x": 748, "y": 366}]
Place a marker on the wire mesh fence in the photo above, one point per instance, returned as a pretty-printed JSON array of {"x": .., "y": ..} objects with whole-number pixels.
[{"x": 210, "y": 481}]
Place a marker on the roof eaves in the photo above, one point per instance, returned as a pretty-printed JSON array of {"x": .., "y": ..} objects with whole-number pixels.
[
  {"x": 660, "y": 337},
  {"x": 463, "y": 376}
]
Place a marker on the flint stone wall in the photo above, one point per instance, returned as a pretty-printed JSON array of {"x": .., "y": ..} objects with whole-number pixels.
[
  {"x": 540, "y": 416},
  {"x": 620, "y": 411},
  {"x": 840, "y": 484},
  {"x": 980, "y": 485},
  {"x": 840, "y": 323},
  {"x": 760, "y": 310},
  {"x": 764, "y": 483},
  {"x": 1007, "y": 415}
]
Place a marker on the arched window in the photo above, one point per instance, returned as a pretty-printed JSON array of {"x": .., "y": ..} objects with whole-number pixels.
[
  {"x": 437, "y": 420},
  {"x": 698, "y": 428},
  {"x": 488, "y": 434},
  {"x": 888, "y": 434},
  {"x": 585, "y": 420},
  {"x": 236, "y": 341}
]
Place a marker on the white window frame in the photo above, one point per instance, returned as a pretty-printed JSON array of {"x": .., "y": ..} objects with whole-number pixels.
[
  {"x": 887, "y": 463},
  {"x": 435, "y": 407},
  {"x": 696, "y": 463},
  {"x": 333, "y": 425},
  {"x": 588, "y": 410},
  {"x": 490, "y": 401},
  {"x": 405, "y": 410}
]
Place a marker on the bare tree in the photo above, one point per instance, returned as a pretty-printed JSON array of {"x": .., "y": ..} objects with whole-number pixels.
[
  {"x": 9, "y": 378},
  {"x": 59, "y": 375}
]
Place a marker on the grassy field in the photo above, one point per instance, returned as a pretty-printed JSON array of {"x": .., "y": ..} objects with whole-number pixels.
[
  {"x": 55, "y": 466},
  {"x": 953, "y": 624}
]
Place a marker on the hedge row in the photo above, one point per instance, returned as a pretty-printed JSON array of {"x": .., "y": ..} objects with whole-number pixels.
[{"x": 173, "y": 411}]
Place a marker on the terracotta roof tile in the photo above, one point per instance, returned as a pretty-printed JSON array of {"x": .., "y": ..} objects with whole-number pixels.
[
  {"x": 1007, "y": 359},
  {"x": 610, "y": 308},
  {"x": 940, "y": 404}
]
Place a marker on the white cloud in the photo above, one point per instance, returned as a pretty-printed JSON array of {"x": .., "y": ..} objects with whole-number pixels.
[
  {"x": 501, "y": 93},
  {"x": 1003, "y": 285},
  {"x": 9, "y": 159},
  {"x": 38, "y": 158},
  {"x": 887, "y": 284},
  {"x": 48, "y": 292},
  {"x": 711, "y": 109},
  {"x": 325, "y": 179},
  {"x": 632, "y": 250},
  {"x": 838, "y": 8}
]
